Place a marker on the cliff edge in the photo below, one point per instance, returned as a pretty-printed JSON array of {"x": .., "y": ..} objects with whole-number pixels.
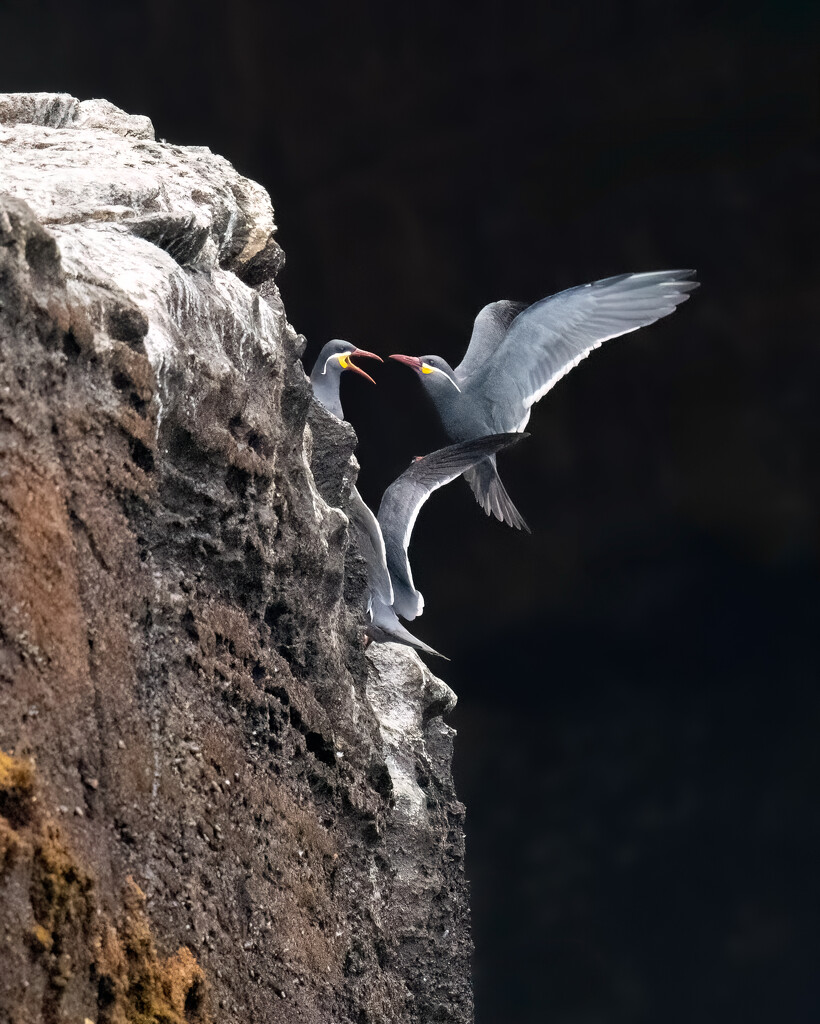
[{"x": 214, "y": 805}]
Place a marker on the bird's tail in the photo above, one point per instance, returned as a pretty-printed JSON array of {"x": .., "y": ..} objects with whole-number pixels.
[
  {"x": 397, "y": 634},
  {"x": 491, "y": 494}
]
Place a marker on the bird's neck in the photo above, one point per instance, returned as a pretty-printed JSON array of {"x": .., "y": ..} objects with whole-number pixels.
[
  {"x": 326, "y": 390},
  {"x": 445, "y": 399}
]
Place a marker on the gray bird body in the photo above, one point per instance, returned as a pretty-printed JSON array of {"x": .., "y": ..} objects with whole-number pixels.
[
  {"x": 518, "y": 353},
  {"x": 373, "y": 551},
  {"x": 326, "y": 390}
]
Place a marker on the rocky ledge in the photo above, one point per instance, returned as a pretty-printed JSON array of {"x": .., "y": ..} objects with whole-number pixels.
[{"x": 214, "y": 805}]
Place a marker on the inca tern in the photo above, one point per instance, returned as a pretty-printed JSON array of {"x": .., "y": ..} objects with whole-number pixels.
[
  {"x": 332, "y": 361},
  {"x": 518, "y": 352},
  {"x": 383, "y": 541}
]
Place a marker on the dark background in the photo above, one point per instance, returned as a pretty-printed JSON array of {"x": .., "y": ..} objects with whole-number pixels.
[{"x": 639, "y": 705}]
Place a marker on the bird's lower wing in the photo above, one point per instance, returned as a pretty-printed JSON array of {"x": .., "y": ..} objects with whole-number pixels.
[{"x": 404, "y": 498}]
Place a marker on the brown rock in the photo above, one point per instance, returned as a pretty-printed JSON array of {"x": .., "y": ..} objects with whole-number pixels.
[{"x": 181, "y": 610}]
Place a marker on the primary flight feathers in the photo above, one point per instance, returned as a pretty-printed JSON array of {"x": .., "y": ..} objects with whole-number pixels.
[
  {"x": 403, "y": 499},
  {"x": 516, "y": 354},
  {"x": 384, "y": 539}
]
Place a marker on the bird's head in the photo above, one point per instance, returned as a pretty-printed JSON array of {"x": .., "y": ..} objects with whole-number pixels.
[
  {"x": 433, "y": 370},
  {"x": 337, "y": 356}
]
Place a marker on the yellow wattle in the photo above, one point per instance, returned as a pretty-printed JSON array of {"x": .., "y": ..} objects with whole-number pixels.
[
  {"x": 427, "y": 369},
  {"x": 343, "y": 362}
]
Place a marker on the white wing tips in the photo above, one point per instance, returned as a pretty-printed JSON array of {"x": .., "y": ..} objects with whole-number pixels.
[
  {"x": 622, "y": 304},
  {"x": 647, "y": 290},
  {"x": 587, "y": 316},
  {"x": 408, "y": 602},
  {"x": 641, "y": 277}
]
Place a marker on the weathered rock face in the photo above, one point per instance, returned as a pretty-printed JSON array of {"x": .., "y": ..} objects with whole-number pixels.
[{"x": 213, "y": 803}]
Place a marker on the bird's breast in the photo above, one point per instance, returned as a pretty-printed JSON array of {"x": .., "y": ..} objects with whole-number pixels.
[{"x": 464, "y": 419}]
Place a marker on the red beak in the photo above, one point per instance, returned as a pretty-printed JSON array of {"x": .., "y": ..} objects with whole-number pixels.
[
  {"x": 412, "y": 361},
  {"x": 365, "y": 355}
]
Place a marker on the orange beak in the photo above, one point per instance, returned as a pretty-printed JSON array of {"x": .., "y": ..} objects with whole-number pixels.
[{"x": 350, "y": 365}]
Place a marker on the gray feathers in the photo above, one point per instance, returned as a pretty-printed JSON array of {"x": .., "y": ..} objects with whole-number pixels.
[
  {"x": 489, "y": 329},
  {"x": 517, "y": 354},
  {"x": 404, "y": 498},
  {"x": 326, "y": 391},
  {"x": 383, "y": 540},
  {"x": 326, "y": 375},
  {"x": 549, "y": 338},
  {"x": 371, "y": 546},
  {"x": 491, "y": 494}
]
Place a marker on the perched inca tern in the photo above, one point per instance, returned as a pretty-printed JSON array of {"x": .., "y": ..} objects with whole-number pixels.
[{"x": 332, "y": 361}]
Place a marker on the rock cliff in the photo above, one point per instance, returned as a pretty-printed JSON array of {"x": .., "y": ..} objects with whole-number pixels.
[{"x": 214, "y": 805}]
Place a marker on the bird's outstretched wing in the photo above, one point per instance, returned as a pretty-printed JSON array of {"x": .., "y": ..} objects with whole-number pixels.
[
  {"x": 403, "y": 499},
  {"x": 489, "y": 330},
  {"x": 549, "y": 338},
  {"x": 371, "y": 547}
]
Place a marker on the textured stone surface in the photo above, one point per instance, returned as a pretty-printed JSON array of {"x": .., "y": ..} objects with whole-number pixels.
[{"x": 251, "y": 818}]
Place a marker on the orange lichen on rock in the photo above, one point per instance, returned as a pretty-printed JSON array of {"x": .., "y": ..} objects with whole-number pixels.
[
  {"x": 16, "y": 786},
  {"x": 15, "y": 775},
  {"x": 113, "y": 971},
  {"x": 145, "y": 987}
]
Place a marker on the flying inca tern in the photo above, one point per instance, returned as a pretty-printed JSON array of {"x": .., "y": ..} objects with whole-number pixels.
[
  {"x": 384, "y": 539},
  {"x": 332, "y": 361},
  {"x": 518, "y": 352}
]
